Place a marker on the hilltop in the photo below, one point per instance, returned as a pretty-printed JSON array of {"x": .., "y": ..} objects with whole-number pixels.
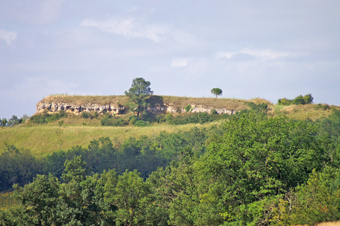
[{"x": 73, "y": 129}]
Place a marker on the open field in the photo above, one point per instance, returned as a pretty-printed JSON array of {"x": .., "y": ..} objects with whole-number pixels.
[{"x": 44, "y": 139}]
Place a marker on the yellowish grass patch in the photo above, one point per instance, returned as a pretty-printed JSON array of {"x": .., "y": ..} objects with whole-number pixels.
[{"x": 45, "y": 139}]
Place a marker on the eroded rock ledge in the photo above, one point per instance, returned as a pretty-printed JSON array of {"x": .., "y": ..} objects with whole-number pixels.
[{"x": 113, "y": 108}]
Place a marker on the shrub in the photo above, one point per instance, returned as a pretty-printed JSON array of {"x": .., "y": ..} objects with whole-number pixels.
[
  {"x": 213, "y": 112},
  {"x": 140, "y": 123},
  {"x": 306, "y": 99},
  {"x": 85, "y": 114},
  {"x": 187, "y": 108},
  {"x": 45, "y": 117},
  {"x": 299, "y": 100},
  {"x": 108, "y": 120},
  {"x": 169, "y": 117}
]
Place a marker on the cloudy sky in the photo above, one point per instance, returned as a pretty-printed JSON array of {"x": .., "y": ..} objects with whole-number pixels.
[{"x": 266, "y": 49}]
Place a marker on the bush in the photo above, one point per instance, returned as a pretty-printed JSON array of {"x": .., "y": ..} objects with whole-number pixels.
[
  {"x": 299, "y": 100},
  {"x": 85, "y": 114},
  {"x": 213, "y": 112},
  {"x": 45, "y": 117},
  {"x": 140, "y": 123},
  {"x": 322, "y": 106},
  {"x": 308, "y": 98},
  {"x": 108, "y": 120},
  {"x": 258, "y": 107},
  {"x": 169, "y": 117},
  {"x": 187, "y": 108}
]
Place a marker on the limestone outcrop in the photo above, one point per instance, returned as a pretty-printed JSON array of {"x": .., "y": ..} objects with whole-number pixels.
[
  {"x": 112, "y": 108},
  {"x": 76, "y": 109}
]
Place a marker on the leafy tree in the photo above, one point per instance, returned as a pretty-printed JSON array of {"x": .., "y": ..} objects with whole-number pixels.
[
  {"x": 187, "y": 108},
  {"x": 216, "y": 91},
  {"x": 318, "y": 200},
  {"x": 257, "y": 158},
  {"x": 308, "y": 98},
  {"x": 13, "y": 121},
  {"x": 3, "y": 122},
  {"x": 39, "y": 199},
  {"x": 138, "y": 93}
]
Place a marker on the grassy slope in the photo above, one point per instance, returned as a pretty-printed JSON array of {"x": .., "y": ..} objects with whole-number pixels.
[
  {"x": 44, "y": 139},
  {"x": 301, "y": 112}
]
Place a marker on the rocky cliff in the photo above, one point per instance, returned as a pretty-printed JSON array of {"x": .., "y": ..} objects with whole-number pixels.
[
  {"x": 157, "y": 104},
  {"x": 116, "y": 109}
]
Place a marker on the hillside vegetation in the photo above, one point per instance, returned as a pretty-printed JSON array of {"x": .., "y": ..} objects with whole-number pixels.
[
  {"x": 42, "y": 139},
  {"x": 264, "y": 165}
]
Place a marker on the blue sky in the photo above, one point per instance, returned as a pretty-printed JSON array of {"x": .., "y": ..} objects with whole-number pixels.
[{"x": 266, "y": 49}]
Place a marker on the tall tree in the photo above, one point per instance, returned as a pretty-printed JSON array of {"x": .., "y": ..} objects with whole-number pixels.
[
  {"x": 216, "y": 91},
  {"x": 140, "y": 90},
  {"x": 3, "y": 122}
]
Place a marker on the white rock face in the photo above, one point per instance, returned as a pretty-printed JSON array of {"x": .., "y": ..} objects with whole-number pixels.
[
  {"x": 115, "y": 109},
  {"x": 76, "y": 109}
]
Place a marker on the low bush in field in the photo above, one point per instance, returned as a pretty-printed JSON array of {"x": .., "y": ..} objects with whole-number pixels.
[
  {"x": 193, "y": 118},
  {"x": 45, "y": 117},
  {"x": 109, "y": 120}
]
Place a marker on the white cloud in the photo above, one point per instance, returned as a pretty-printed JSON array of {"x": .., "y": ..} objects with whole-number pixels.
[
  {"x": 266, "y": 54},
  {"x": 8, "y": 36},
  {"x": 126, "y": 27},
  {"x": 180, "y": 62}
]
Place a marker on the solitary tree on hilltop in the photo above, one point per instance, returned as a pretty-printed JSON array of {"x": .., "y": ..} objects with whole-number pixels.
[
  {"x": 216, "y": 91},
  {"x": 138, "y": 93}
]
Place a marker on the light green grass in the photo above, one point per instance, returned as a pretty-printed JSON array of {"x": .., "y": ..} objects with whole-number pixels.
[
  {"x": 301, "y": 112},
  {"x": 45, "y": 139}
]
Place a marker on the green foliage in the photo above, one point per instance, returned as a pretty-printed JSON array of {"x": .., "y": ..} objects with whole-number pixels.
[
  {"x": 216, "y": 91},
  {"x": 3, "y": 122},
  {"x": 213, "y": 112},
  {"x": 45, "y": 117},
  {"x": 138, "y": 93},
  {"x": 17, "y": 166},
  {"x": 306, "y": 99},
  {"x": 140, "y": 123},
  {"x": 187, "y": 108},
  {"x": 318, "y": 200},
  {"x": 258, "y": 107},
  {"x": 330, "y": 126},
  {"x": 252, "y": 170},
  {"x": 257, "y": 158},
  {"x": 60, "y": 123},
  {"x": 201, "y": 118},
  {"x": 39, "y": 200},
  {"x": 109, "y": 120},
  {"x": 85, "y": 114},
  {"x": 322, "y": 106}
]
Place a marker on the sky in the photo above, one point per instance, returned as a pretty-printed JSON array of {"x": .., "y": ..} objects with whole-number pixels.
[{"x": 266, "y": 49}]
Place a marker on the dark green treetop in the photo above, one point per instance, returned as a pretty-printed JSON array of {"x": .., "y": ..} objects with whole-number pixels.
[
  {"x": 216, "y": 91},
  {"x": 140, "y": 90}
]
